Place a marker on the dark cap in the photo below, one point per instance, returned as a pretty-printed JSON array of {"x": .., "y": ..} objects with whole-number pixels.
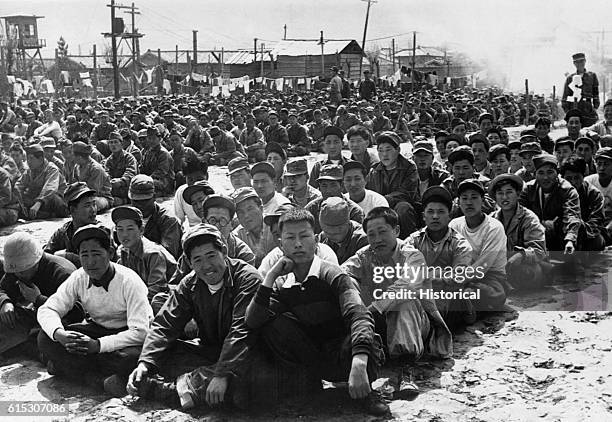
[
  {"x": 77, "y": 190},
  {"x": 334, "y": 211},
  {"x": 473, "y": 184},
  {"x": 353, "y": 164},
  {"x": 142, "y": 133},
  {"x": 34, "y": 148},
  {"x": 388, "y": 137},
  {"x": 333, "y": 130},
  {"x": 573, "y": 113},
  {"x": 152, "y": 130},
  {"x": 462, "y": 152},
  {"x": 115, "y": 135},
  {"x": 485, "y": 116},
  {"x": 263, "y": 167},
  {"x": 201, "y": 185},
  {"x": 237, "y": 164},
  {"x": 125, "y": 212},
  {"x": 201, "y": 230},
  {"x": 331, "y": 172},
  {"x": 242, "y": 194},
  {"x": 527, "y": 138},
  {"x": 604, "y": 152},
  {"x": 566, "y": 140},
  {"x": 437, "y": 194},
  {"x": 515, "y": 144},
  {"x": 277, "y": 148},
  {"x": 584, "y": 140},
  {"x": 141, "y": 188},
  {"x": 81, "y": 148},
  {"x": 456, "y": 122},
  {"x": 425, "y": 146},
  {"x": 498, "y": 149},
  {"x": 578, "y": 56},
  {"x": 270, "y": 218},
  {"x": 545, "y": 159},
  {"x": 530, "y": 147},
  {"x": 516, "y": 181},
  {"x": 222, "y": 201},
  {"x": 296, "y": 167},
  {"x": 91, "y": 231},
  {"x": 47, "y": 142}
]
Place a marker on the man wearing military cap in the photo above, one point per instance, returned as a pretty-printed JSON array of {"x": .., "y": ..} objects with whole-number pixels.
[
  {"x": 332, "y": 145},
  {"x": 252, "y": 229},
  {"x": 215, "y": 295},
  {"x": 274, "y": 131},
  {"x": 157, "y": 163},
  {"x": 227, "y": 146},
  {"x": 121, "y": 166},
  {"x": 252, "y": 138},
  {"x": 105, "y": 348},
  {"x": 367, "y": 87},
  {"x": 525, "y": 235},
  {"x": 299, "y": 142},
  {"x": 152, "y": 262},
  {"x": 527, "y": 151},
  {"x": 159, "y": 225},
  {"x": 581, "y": 91},
  {"x": 429, "y": 175},
  {"x": 51, "y": 153},
  {"x": 331, "y": 185},
  {"x": 556, "y": 203},
  {"x": 40, "y": 190},
  {"x": 81, "y": 201},
  {"x": 103, "y": 129},
  {"x": 338, "y": 231},
  {"x": 93, "y": 173},
  {"x": 295, "y": 178},
  {"x": 316, "y": 130},
  {"x": 33, "y": 124}
]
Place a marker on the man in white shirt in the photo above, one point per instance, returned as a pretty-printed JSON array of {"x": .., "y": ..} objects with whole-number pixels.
[
  {"x": 603, "y": 181},
  {"x": 194, "y": 171},
  {"x": 354, "y": 179},
  {"x": 487, "y": 238},
  {"x": 105, "y": 348},
  {"x": 263, "y": 175}
]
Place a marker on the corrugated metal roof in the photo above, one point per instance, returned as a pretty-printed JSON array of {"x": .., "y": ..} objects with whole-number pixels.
[{"x": 295, "y": 48}]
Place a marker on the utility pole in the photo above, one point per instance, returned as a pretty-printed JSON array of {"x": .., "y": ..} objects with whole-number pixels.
[
  {"x": 413, "y": 60},
  {"x": 365, "y": 30},
  {"x": 261, "y": 70},
  {"x": 176, "y": 59},
  {"x": 393, "y": 53},
  {"x": 322, "y": 42},
  {"x": 114, "y": 52},
  {"x": 95, "y": 72},
  {"x": 194, "y": 61},
  {"x": 117, "y": 30},
  {"x": 285, "y": 32},
  {"x": 254, "y": 50},
  {"x": 134, "y": 38}
]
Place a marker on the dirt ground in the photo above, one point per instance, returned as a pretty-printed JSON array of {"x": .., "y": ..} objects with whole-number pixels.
[{"x": 543, "y": 362}]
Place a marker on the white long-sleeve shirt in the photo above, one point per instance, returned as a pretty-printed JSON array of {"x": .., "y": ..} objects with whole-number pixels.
[
  {"x": 183, "y": 211},
  {"x": 125, "y": 304}
]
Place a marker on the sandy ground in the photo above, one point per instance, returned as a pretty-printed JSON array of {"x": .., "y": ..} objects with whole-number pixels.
[{"x": 541, "y": 363}]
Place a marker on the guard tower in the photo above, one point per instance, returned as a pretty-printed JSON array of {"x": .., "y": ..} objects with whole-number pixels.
[{"x": 22, "y": 45}]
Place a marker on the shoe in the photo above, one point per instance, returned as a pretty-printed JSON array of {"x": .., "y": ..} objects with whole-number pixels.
[
  {"x": 115, "y": 385},
  {"x": 156, "y": 389},
  {"x": 375, "y": 405},
  {"x": 407, "y": 388}
]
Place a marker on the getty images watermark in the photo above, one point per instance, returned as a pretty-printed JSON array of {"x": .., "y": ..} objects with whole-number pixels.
[{"x": 409, "y": 275}]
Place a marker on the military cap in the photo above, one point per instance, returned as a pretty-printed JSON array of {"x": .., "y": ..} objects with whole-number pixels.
[
  {"x": 237, "y": 164},
  {"x": 115, "y": 135},
  {"x": 277, "y": 148},
  {"x": 153, "y": 130},
  {"x": 244, "y": 193},
  {"x": 141, "y": 188},
  {"x": 573, "y": 113},
  {"x": 515, "y": 180},
  {"x": 485, "y": 116},
  {"x": 34, "y": 148},
  {"x": 472, "y": 184},
  {"x": 334, "y": 211},
  {"x": 222, "y": 201},
  {"x": 604, "y": 153},
  {"x": 333, "y": 130},
  {"x": 497, "y": 150},
  {"x": 530, "y": 147},
  {"x": 91, "y": 231},
  {"x": 515, "y": 144},
  {"x": 437, "y": 194},
  {"x": 331, "y": 172},
  {"x": 584, "y": 140},
  {"x": 125, "y": 212},
  {"x": 201, "y": 185},
  {"x": 527, "y": 138},
  {"x": 272, "y": 113},
  {"x": 296, "y": 167},
  {"x": 76, "y": 190},
  {"x": 456, "y": 122},
  {"x": 462, "y": 152},
  {"x": 202, "y": 230},
  {"x": 81, "y": 148},
  {"x": 47, "y": 142},
  {"x": 578, "y": 56},
  {"x": 353, "y": 164},
  {"x": 125, "y": 132},
  {"x": 566, "y": 140},
  {"x": 388, "y": 137},
  {"x": 263, "y": 167},
  {"x": 545, "y": 159},
  {"x": 272, "y": 217},
  {"x": 423, "y": 146}
]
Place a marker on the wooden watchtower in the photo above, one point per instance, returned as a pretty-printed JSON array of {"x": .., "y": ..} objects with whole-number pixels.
[{"x": 22, "y": 45}]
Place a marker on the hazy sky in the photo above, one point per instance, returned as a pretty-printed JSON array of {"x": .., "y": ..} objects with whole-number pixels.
[{"x": 507, "y": 33}]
